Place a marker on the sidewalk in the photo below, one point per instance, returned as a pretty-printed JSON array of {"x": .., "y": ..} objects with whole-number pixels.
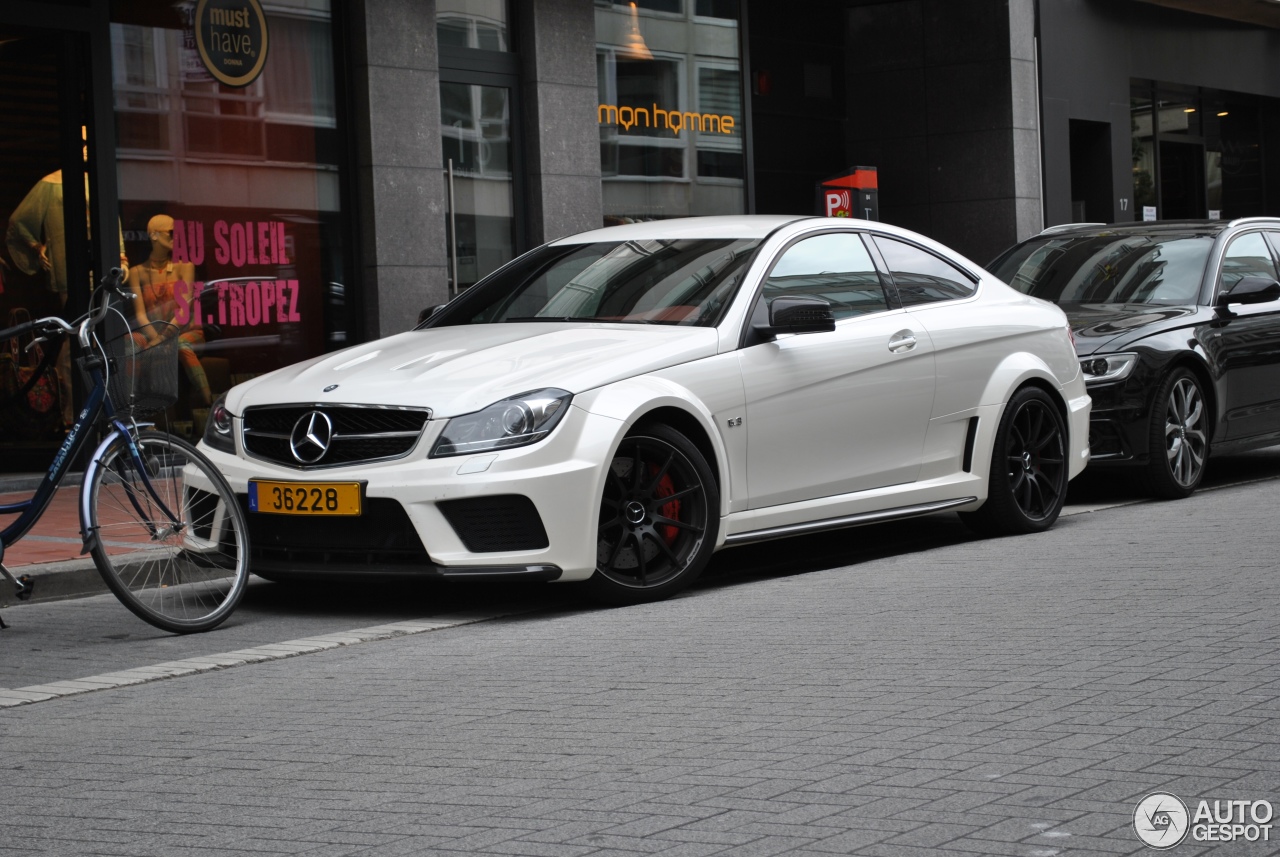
[{"x": 50, "y": 552}]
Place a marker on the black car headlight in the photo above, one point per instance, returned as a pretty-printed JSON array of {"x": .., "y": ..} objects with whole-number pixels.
[
  {"x": 1100, "y": 369},
  {"x": 217, "y": 430},
  {"x": 517, "y": 421}
]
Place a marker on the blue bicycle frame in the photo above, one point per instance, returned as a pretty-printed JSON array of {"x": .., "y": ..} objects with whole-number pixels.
[{"x": 29, "y": 511}]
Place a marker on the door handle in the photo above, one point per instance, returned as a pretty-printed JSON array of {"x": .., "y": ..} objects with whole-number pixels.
[{"x": 903, "y": 340}]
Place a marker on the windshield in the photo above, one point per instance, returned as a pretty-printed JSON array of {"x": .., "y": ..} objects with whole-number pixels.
[
  {"x": 660, "y": 281},
  {"x": 1164, "y": 270}
]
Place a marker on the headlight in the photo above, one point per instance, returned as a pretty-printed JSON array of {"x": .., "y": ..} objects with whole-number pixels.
[
  {"x": 217, "y": 431},
  {"x": 1108, "y": 367},
  {"x": 518, "y": 421}
]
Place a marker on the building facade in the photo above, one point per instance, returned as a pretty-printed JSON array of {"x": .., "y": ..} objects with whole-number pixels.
[{"x": 322, "y": 171}]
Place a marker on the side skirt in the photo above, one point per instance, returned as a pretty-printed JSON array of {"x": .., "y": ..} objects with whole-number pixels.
[{"x": 882, "y": 515}]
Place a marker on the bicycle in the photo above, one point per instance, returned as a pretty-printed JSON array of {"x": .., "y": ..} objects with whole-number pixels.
[{"x": 163, "y": 526}]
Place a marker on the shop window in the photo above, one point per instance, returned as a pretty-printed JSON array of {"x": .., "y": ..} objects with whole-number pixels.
[
  {"x": 478, "y": 24},
  {"x": 229, "y": 185},
  {"x": 670, "y": 109}
]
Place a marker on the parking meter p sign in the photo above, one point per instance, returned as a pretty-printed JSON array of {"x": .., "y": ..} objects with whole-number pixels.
[
  {"x": 839, "y": 203},
  {"x": 853, "y": 193},
  {"x": 231, "y": 37}
]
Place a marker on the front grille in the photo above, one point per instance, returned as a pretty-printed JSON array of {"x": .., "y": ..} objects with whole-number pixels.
[
  {"x": 506, "y": 522},
  {"x": 360, "y": 433},
  {"x": 381, "y": 537}
]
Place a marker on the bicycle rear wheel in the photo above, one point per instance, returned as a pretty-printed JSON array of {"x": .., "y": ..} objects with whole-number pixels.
[{"x": 183, "y": 572}]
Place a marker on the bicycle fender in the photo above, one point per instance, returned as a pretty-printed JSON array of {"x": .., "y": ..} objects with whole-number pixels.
[{"x": 88, "y": 534}]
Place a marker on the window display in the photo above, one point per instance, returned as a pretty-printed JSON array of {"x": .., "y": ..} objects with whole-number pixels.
[{"x": 229, "y": 157}]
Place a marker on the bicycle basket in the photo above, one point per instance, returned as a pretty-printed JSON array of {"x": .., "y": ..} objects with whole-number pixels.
[{"x": 142, "y": 377}]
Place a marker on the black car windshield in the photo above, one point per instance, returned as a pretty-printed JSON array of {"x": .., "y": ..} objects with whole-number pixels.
[
  {"x": 1109, "y": 268},
  {"x": 656, "y": 281}
]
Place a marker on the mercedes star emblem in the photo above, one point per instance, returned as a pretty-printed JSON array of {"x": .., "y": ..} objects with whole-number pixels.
[{"x": 311, "y": 436}]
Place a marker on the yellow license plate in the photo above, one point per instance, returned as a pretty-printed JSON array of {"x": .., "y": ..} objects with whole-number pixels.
[{"x": 304, "y": 498}]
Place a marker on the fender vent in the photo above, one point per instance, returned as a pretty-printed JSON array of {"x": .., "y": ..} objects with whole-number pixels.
[{"x": 970, "y": 437}]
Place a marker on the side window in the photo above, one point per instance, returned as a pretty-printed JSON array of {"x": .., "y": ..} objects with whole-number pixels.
[
  {"x": 1247, "y": 256},
  {"x": 922, "y": 277},
  {"x": 836, "y": 267}
]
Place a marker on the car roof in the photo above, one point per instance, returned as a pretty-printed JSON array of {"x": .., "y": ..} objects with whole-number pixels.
[
  {"x": 724, "y": 226},
  {"x": 1156, "y": 227}
]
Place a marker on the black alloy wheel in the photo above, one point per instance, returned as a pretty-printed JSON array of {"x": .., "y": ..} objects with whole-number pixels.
[
  {"x": 1028, "y": 480},
  {"x": 1178, "y": 443},
  {"x": 659, "y": 515}
]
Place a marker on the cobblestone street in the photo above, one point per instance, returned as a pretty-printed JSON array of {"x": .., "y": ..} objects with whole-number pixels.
[{"x": 1014, "y": 696}]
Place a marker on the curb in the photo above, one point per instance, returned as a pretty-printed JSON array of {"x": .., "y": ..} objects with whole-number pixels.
[{"x": 56, "y": 581}]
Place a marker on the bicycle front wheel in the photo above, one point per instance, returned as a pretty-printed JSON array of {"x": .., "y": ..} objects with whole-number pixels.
[{"x": 171, "y": 539}]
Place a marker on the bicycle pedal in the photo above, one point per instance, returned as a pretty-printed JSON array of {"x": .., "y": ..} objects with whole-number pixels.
[{"x": 25, "y": 584}]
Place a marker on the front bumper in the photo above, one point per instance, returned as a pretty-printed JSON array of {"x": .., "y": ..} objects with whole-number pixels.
[
  {"x": 1120, "y": 423},
  {"x": 414, "y": 520}
]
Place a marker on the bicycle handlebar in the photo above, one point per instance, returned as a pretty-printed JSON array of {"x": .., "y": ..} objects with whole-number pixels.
[
  {"x": 52, "y": 324},
  {"x": 112, "y": 281}
]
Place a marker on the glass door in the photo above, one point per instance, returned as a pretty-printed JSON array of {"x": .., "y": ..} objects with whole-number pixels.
[{"x": 476, "y": 126}]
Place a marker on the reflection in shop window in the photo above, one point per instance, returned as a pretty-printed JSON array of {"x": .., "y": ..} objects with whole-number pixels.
[
  {"x": 479, "y": 24},
  {"x": 475, "y": 127},
  {"x": 229, "y": 196},
  {"x": 670, "y": 109}
]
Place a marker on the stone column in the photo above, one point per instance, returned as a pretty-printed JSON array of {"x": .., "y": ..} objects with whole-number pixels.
[
  {"x": 558, "y": 48},
  {"x": 400, "y": 184},
  {"x": 1025, "y": 102}
]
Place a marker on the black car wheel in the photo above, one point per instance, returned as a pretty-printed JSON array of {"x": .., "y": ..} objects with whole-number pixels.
[
  {"x": 659, "y": 516},
  {"x": 1178, "y": 443},
  {"x": 1028, "y": 479}
]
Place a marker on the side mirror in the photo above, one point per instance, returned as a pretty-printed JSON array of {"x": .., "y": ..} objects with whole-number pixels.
[
  {"x": 428, "y": 312},
  {"x": 1249, "y": 290},
  {"x": 797, "y": 315}
]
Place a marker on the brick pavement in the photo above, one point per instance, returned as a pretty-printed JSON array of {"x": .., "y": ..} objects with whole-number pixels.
[{"x": 1003, "y": 697}]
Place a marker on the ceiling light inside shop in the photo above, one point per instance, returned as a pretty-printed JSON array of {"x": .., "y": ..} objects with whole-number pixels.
[
  {"x": 1188, "y": 110},
  {"x": 1223, "y": 113},
  {"x": 634, "y": 47}
]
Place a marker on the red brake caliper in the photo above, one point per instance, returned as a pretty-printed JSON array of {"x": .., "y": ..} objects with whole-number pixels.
[{"x": 666, "y": 487}]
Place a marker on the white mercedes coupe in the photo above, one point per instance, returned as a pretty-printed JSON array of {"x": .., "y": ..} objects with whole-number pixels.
[{"x": 615, "y": 406}]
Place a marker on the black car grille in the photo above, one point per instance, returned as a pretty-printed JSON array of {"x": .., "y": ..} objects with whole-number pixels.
[
  {"x": 360, "y": 433},
  {"x": 506, "y": 522},
  {"x": 1105, "y": 440},
  {"x": 381, "y": 538}
]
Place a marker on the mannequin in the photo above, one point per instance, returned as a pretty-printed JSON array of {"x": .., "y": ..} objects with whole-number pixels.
[{"x": 153, "y": 282}]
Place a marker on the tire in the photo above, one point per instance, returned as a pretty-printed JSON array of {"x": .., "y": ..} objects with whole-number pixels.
[
  {"x": 659, "y": 516},
  {"x": 1178, "y": 438},
  {"x": 192, "y": 576},
  {"x": 1028, "y": 480}
]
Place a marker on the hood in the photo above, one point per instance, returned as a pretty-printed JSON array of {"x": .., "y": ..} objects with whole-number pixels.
[
  {"x": 461, "y": 369},
  {"x": 1097, "y": 326}
]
